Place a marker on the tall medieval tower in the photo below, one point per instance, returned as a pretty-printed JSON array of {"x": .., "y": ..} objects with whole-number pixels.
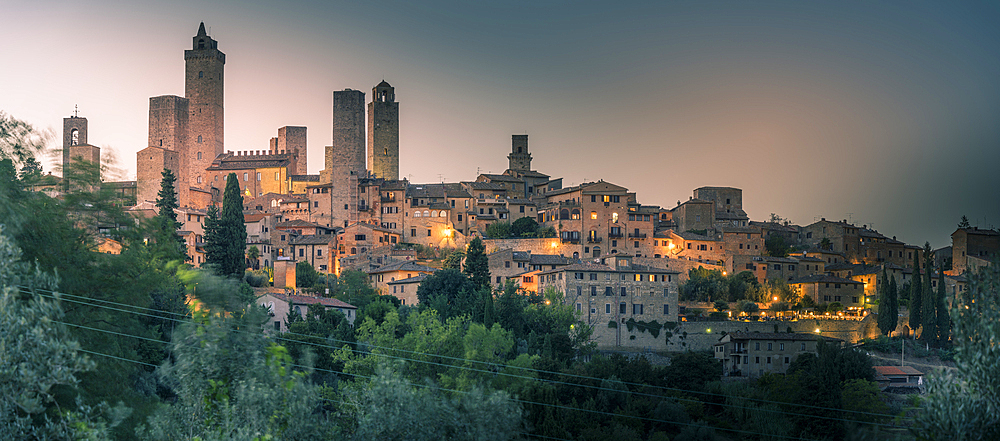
[
  {"x": 383, "y": 132},
  {"x": 345, "y": 160},
  {"x": 74, "y": 134},
  {"x": 203, "y": 87},
  {"x": 519, "y": 159}
]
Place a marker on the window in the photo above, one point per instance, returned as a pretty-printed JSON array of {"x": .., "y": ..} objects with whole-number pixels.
[
  {"x": 579, "y": 290},
  {"x": 768, "y": 360},
  {"x": 578, "y": 276},
  {"x": 781, "y": 346},
  {"x": 506, "y": 264},
  {"x": 803, "y": 347},
  {"x": 786, "y": 360},
  {"x": 769, "y": 346},
  {"x": 199, "y": 155},
  {"x": 199, "y": 179},
  {"x": 246, "y": 177},
  {"x": 593, "y": 290},
  {"x": 637, "y": 308},
  {"x": 302, "y": 252},
  {"x": 277, "y": 326},
  {"x": 756, "y": 360},
  {"x": 201, "y": 73},
  {"x": 593, "y": 276},
  {"x": 413, "y": 232},
  {"x": 277, "y": 176},
  {"x": 498, "y": 279},
  {"x": 319, "y": 252},
  {"x": 428, "y": 233},
  {"x": 756, "y": 347},
  {"x": 199, "y": 142},
  {"x": 607, "y": 308},
  {"x": 593, "y": 215},
  {"x": 622, "y": 308},
  {"x": 623, "y": 291},
  {"x": 608, "y": 291}
]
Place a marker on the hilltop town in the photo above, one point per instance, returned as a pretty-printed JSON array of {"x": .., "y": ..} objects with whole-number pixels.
[{"x": 357, "y": 214}]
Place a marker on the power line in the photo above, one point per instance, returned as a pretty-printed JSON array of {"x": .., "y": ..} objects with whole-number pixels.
[{"x": 500, "y": 366}]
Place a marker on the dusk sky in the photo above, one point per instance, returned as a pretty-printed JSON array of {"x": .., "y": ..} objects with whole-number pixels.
[{"x": 885, "y": 113}]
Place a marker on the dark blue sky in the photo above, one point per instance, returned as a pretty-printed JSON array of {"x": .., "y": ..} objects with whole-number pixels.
[{"x": 886, "y": 113}]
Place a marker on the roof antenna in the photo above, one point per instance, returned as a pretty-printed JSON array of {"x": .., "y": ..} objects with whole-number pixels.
[{"x": 76, "y": 111}]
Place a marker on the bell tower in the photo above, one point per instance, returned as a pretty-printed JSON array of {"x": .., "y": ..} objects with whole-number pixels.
[
  {"x": 203, "y": 87},
  {"x": 519, "y": 159}
]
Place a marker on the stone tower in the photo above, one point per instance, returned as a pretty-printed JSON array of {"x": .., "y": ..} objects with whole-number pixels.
[
  {"x": 203, "y": 88},
  {"x": 345, "y": 160},
  {"x": 519, "y": 159},
  {"x": 383, "y": 132},
  {"x": 74, "y": 133}
]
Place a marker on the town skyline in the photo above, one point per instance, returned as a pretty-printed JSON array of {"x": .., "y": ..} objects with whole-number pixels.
[{"x": 448, "y": 111}]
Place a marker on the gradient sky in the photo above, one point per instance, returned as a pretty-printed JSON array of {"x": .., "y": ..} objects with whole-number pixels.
[{"x": 885, "y": 113}]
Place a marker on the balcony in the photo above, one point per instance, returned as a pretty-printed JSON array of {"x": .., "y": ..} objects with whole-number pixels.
[
  {"x": 388, "y": 199},
  {"x": 615, "y": 235},
  {"x": 637, "y": 235},
  {"x": 362, "y": 207},
  {"x": 594, "y": 239},
  {"x": 570, "y": 237}
]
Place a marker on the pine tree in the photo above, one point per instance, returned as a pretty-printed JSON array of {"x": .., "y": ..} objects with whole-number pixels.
[
  {"x": 916, "y": 296},
  {"x": 964, "y": 223},
  {"x": 477, "y": 266},
  {"x": 944, "y": 319},
  {"x": 887, "y": 315},
  {"x": 165, "y": 222}
]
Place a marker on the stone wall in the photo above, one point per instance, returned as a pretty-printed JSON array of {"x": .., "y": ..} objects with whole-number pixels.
[{"x": 700, "y": 336}]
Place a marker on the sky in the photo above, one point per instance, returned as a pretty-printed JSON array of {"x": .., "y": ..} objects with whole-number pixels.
[{"x": 883, "y": 113}]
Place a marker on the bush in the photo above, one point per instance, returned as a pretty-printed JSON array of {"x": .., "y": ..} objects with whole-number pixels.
[{"x": 612, "y": 324}]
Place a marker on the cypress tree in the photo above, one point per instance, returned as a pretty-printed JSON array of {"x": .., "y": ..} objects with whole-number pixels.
[
  {"x": 929, "y": 304},
  {"x": 916, "y": 296},
  {"x": 234, "y": 231},
  {"x": 892, "y": 297},
  {"x": 886, "y": 306},
  {"x": 943, "y": 319},
  {"x": 477, "y": 266},
  {"x": 214, "y": 246}
]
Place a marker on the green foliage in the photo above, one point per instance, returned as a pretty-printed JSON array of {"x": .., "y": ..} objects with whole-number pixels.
[
  {"x": 233, "y": 384},
  {"x": 308, "y": 279},
  {"x": 835, "y": 307},
  {"x": 888, "y": 306},
  {"x": 498, "y": 230},
  {"x": 454, "y": 260},
  {"x": 257, "y": 278},
  {"x": 743, "y": 285},
  {"x": 704, "y": 285},
  {"x": 477, "y": 266},
  {"x": 776, "y": 246},
  {"x": 524, "y": 227},
  {"x": 964, "y": 403},
  {"x": 388, "y": 407},
  {"x": 721, "y": 305},
  {"x": 311, "y": 338},
  {"x": 225, "y": 235},
  {"x": 165, "y": 221},
  {"x": 929, "y": 304},
  {"x": 864, "y": 398},
  {"x": 353, "y": 287},
  {"x": 747, "y": 306},
  {"x": 941, "y": 309},
  {"x": 916, "y": 296},
  {"x": 450, "y": 293},
  {"x": 964, "y": 223}
]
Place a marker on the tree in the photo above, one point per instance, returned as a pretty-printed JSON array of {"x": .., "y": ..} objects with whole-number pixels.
[
  {"x": 928, "y": 316},
  {"x": 825, "y": 244},
  {"x": 306, "y": 277},
  {"x": 498, "y": 230},
  {"x": 477, "y": 266},
  {"x": 253, "y": 253},
  {"x": 215, "y": 246},
  {"x": 964, "y": 223},
  {"x": 721, "y": 305},
  {"x": 944, "y": 320},
  {"x": 225, "y": 245},
  {"x": 450, "y": 293},
  {"x": 888, "y": 307},
  {"x": 916, "y": 297},
  {"x": 39, "y": 357},
  {"x": 454, "y": 260},
  {"x": 524, "y": 227},
  {"x": 964, "y": 403},
  {"x": 166, "y": 218},
  {"x": 776, "y": 246}
]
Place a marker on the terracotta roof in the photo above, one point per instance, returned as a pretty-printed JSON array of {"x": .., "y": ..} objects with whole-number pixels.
[
  {"x": 777, "y": 336},
  {"x": 300, "y": 223},
  {"x": 304, "y": 178},
  {"x": 501, "y": 178},
  {"x": 314, "y": 239},
  {"x": 405, "y": 265},
  {"x": 548, "y": 259},
  {"x": 309, "y": 300},
  {"x": 414, "y": 279},
  {"x": 822, "y": 278},
  {"x": 897, "y": 370},
  {"x": 248, "y": 218}
]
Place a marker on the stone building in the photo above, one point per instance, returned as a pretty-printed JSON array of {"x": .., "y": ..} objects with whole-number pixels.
[
  {"x": 595, "y": 217},
  {"x": 607, "y": 295},
  {"x": 972, "y": 248},
  {"x": 345, "y": 159},
  {"x": 754, "y": 354},
  {"x": 383, "y": 132},
  {"x": 382, "y": 276},
  {"x": 75, "y": 147},
  {"x": 728, "y": 205},
  {"x": 694, "y": 215},
  {"x": 826, "y": 289},
  {"x": 257, "y": 172},
  {"x": 191, "y": 126},
  {"x": 291, "y": 140}
]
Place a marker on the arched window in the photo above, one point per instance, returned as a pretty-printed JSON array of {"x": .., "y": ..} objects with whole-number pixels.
[
  {"x": 199, "y": 155},
  {"x": 75, "y": 137},
  {"x": 201, "y": 44},
  {"x": 434, "y": 214},
  {"x": 576, "y": 213},
  {"x": 199, "y": 141},
  {"x": 426, "y": 213},
  {"x": 519, "y": 150},
  {"x": 199, "y": 179},
  {"x": 564, "y": 214},
  {"x": 354, "y": 250},
  {"x": 416, "y": 213},
  {"x": 444, "y": 214},
  {"x": 201, "y": 74},
  {"x": 576, "y": 255}
]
